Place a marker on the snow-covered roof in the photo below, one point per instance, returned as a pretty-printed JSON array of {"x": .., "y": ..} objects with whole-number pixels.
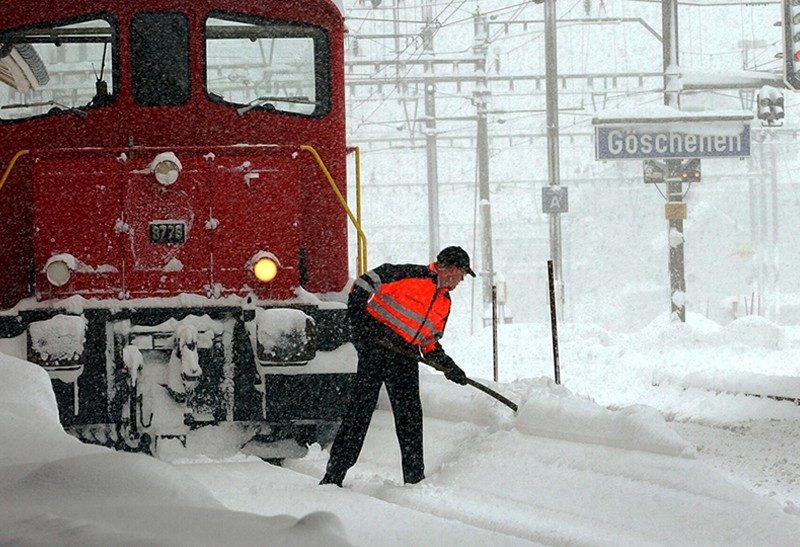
[
  {"x": 730, "y": 79},
  {"x": 666, "y": 114}
]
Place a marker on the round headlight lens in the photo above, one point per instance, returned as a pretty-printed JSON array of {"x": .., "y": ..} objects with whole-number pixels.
[
  {"x": 265, "y": 270},
  {"x": 166, "y": 172},
  {"x": 58, "y": 273}
]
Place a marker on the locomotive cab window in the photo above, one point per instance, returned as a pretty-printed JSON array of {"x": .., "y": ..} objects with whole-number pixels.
[
  {"x": 256, "y": 64},
  {"x": 57, "y": 68}
]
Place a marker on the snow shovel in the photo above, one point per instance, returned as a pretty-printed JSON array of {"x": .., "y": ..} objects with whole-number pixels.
[{"x": 487, "y": 390}]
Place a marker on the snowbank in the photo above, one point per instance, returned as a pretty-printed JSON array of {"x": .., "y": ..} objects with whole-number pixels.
[
  {"x": 550, "y": 410},
  {"x": 55, "y": 490},
  {"x": 696, "y": 371},
  {"x": 751, "y": 330},
  {"x": 725, "y": 381}
]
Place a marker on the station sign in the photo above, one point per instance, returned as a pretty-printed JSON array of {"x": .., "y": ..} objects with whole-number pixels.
[{"x": 632, "y": 143}]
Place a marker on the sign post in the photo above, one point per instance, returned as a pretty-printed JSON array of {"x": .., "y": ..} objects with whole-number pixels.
[{"x": 670, "y": 144}]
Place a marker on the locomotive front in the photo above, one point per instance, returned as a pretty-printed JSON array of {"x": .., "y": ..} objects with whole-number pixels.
[{"x": 173, "y": 233}]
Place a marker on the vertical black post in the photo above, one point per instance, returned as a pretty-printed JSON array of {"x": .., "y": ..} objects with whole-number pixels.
[
  {"x": 494, "y": 332},
  {"x": 553, "y": 320}
]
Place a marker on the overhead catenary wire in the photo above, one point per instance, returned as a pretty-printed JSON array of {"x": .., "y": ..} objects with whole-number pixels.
[{"x": 417, "y": 41}]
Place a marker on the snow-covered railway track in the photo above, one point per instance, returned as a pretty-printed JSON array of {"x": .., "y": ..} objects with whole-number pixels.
[{"x": 518, "y": 488}]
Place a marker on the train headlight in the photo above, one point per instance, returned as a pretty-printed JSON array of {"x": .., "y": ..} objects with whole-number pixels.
[
  {"x": 265, "y": 266},
  {"x": 166, "y": 167},
  {"x": 265, "y": 270},
  {"x": 58, "y": 272},
  {"x": 166, "y": 172}
]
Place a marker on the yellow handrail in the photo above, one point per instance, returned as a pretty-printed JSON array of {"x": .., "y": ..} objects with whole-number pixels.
[
  {"x": 361, "y": 241},
  {"x": 361, "y": 247},
  {"x": 17, "y": 156}
]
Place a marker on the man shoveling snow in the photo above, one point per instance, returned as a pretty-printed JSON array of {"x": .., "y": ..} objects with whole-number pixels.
[{"x": 398, "y": 314}]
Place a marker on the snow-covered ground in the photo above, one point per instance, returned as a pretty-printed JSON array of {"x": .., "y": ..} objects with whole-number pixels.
[{"x": 642, "y": 444}]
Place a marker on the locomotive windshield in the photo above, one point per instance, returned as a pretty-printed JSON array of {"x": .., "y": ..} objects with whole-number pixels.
[
  {"x": 64, "y": 67},
  {"x": 261, "y": 64}
]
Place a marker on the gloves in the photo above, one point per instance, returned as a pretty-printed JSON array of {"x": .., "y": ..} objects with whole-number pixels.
[
  {"x": 451, "y": 370},
  {"x": 455, "y": 374}
]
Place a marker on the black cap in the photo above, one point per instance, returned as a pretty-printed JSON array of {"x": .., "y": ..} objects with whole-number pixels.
[{"x": 455, "y": 256}]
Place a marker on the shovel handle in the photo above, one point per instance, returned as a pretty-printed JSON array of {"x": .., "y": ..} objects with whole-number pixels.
[
  {"x": 492, "y": 393},
  {"x": 477, "y": 385},
  {"x": 487, "y": 390}
]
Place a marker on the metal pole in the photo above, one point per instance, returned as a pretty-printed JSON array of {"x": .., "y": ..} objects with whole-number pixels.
[
  {"x": 431, "y": 144},
  {"x": 481, "y": 96},
  {"x": 553, "y": 170},
  {"x": 775, "y": 308},
  {"x": 494, "y": 333},
  {"x": 675, "y": 236},
  {"x": 396, "y": 25},
  {"x": 553, "y": 321},
  {"x": 755, "y": 237},
  {"x": 763, "y": 233}
]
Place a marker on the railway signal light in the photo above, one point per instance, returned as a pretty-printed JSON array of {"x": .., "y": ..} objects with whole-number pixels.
[
  {"x": 769, "y": 102},
  {"x": 791, "y": 43},
  {"x": 690, "y": 170}
]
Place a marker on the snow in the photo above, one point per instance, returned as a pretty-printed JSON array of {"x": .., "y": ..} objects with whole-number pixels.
[
  {"x": 59, "y": 338},
  {"x": 133, "y": 361},
  {"x": 643, "y": 444},
  {"x": 343, "y": 359},
  {"x": 56, "y": 491},
  {"x": 729, "y": 78},
  {"x": 279, "y": 327},
  {"x": 665, "y": 114}
]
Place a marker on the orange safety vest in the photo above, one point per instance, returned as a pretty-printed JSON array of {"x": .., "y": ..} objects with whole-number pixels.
[{"x": 413, "y": 307}]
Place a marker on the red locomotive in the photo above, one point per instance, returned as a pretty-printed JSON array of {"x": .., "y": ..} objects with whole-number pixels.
[{"x": 173, "y": 232}]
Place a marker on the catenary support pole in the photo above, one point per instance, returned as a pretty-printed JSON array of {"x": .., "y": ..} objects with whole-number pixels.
[
  {"x": 775, "y": 307},
  {"x": 430, "y": 137},
  {"x": 553, "y": 168},
  {"x": 675, "y": 235},
  {"x": 481, "y": 97}
]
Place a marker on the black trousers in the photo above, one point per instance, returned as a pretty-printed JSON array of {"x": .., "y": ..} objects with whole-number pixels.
[{"x": 378, "y": 365}]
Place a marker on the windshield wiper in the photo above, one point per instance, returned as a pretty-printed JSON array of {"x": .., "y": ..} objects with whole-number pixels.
[
  {"x": 77, "y": 111},
  {"x": 262, "y": 102}
]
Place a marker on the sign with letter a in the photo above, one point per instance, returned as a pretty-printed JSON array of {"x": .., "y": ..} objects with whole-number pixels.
[{"x": 554, "y": 199}]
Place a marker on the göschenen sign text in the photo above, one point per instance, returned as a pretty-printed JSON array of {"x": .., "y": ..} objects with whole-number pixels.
[{"x": 619, "y": 143}]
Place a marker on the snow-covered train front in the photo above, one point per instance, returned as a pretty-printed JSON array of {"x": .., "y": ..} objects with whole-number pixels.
[{"x": 174, "y": 245}]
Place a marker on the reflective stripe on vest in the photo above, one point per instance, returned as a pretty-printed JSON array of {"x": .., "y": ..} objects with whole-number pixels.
[
  {"x": 364, "y": 284},
  {"x": 387, "y": 309},
  {"x": 402, "y": 306}
]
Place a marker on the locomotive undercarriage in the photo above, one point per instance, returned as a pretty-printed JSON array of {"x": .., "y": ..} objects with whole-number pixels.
[{"x": 146, "y": 379}]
